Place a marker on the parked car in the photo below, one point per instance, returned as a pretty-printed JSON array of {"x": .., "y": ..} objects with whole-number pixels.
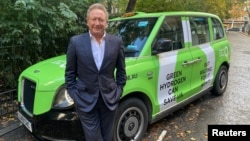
[
  {"x": 234, "y": 29},
  {"x": 172, "y": 58}
]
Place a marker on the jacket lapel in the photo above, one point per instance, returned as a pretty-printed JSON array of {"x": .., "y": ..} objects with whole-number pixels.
[
  {"x": 106, "y": 51},
  {"x": 88, "y": 51}
]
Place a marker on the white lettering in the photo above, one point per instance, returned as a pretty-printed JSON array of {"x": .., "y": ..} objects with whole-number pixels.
[{"x": 216, "y": 132}]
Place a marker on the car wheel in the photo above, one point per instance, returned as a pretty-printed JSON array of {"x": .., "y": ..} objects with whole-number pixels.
[
  {"x": 132, "y": 120},
  {"x": 221, "y": 80}
]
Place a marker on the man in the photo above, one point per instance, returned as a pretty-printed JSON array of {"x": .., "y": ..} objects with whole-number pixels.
[{"x": 95, "y": 75}]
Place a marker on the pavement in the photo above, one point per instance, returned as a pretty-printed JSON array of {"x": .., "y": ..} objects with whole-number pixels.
[{"x": 9, "y": 123}]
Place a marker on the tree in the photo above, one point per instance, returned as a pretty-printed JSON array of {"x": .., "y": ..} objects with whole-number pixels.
[
  {"x": 131, "y": 6},
  {"x": 35, "y": 30},
  {"x": 236, "y": 11},
  {"x": 218, "y": 7}
]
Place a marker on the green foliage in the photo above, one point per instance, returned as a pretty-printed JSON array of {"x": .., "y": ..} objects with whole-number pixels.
[
  {"x": 218, "y": 7},
  {"x": 34, "y": 30}
]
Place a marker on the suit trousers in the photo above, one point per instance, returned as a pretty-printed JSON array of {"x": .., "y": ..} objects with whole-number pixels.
[{"x": 98, "y": 124}]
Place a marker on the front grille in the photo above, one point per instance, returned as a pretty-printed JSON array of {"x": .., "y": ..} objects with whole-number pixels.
[{"x": 29, "y": 89}]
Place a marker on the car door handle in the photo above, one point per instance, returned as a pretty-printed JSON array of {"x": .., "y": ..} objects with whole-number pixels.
[
  {"x": 197, "y": 60},
  {"x": 186, "y": 63}
]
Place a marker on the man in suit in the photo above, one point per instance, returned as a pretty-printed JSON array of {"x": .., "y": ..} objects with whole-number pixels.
[{"x": 95, "y": 75}]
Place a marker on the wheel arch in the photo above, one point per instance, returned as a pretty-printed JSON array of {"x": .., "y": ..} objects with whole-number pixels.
[
  {"x": 225, "y": 63},
  {"x": 221, "y": 79}
]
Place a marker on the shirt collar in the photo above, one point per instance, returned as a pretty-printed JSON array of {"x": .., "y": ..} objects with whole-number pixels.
[{"x": 103, "y": 37}]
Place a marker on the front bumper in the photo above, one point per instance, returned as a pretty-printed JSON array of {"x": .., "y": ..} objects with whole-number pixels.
[{"x": 55, "y": 125}]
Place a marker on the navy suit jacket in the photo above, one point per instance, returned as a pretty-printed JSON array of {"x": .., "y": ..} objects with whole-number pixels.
[{"x": 85, "y": 82}]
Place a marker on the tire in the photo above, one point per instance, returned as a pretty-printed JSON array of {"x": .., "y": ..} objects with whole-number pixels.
[
  {"x": 132, "y": 120},
  {"x": 221, "y": 80}
]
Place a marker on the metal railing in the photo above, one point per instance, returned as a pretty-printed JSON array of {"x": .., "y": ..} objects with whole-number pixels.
[
  {"x": 8, "y": 104},
  {"x": 8, "y": 109},
  {"x": 10, "y": 68}
]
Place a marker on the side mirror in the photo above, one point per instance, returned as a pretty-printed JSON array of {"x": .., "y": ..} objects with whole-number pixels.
[{"x": 162, "y": 45}]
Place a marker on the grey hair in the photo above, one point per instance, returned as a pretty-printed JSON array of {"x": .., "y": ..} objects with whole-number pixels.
[{"x": 100, "y": 7}]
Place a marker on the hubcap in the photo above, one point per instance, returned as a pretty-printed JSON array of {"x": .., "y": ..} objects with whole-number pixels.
[{"x": 131, "y": 127}]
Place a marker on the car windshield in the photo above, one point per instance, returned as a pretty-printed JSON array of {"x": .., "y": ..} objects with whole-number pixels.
[{"x": 134, "y": 33}]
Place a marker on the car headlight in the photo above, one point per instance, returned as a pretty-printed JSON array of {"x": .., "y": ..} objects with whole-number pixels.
[{"x": 63, "y": 100}]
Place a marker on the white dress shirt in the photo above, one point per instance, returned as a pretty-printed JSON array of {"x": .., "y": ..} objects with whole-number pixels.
[{"x": 98, "y": 50}]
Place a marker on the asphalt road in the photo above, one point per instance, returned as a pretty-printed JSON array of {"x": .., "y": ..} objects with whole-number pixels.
[{"x": 191, "y": 122}]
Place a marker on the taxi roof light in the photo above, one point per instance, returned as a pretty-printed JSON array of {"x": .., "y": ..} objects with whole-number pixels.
[{"x": 130, "y": 14}]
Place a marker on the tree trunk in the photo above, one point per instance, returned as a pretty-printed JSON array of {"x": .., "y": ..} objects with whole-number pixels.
[
  {"x": 130, "y": 6},
  {"x": 109, "y": 6}
]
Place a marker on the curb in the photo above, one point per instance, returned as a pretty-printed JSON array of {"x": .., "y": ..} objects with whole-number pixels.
[{"x": 10, "y": 128}]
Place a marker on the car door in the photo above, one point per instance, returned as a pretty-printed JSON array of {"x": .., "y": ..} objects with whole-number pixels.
[
  {"x": 203, "y": 62},
  {"x": 170, "y": 52}
]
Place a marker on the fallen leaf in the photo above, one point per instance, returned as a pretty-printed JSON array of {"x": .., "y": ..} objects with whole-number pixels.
[
  {"x": 192, "y": 139},
  {"x": 191, "y": 119}
]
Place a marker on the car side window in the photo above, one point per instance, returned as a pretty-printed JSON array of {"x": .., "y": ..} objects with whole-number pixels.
[
  {"x": 199, "y": 30},
  {"x": 170, "y": 36},
  {"x": 217, "y": 29}
]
